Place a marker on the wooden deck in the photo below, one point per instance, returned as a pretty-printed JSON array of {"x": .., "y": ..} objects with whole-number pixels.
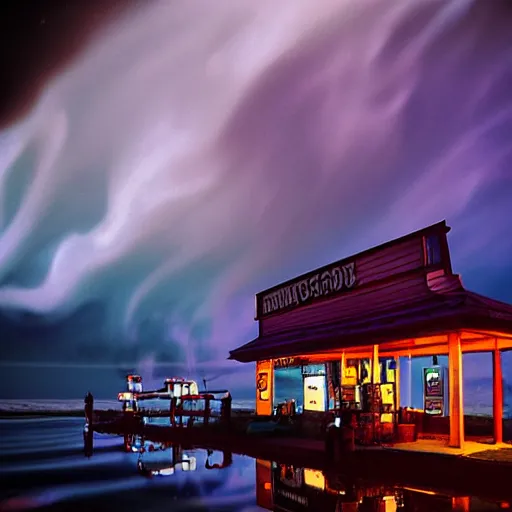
[{"x": 471, "y": 448}]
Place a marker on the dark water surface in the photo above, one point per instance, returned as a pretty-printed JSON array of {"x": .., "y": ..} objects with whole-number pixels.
[{"x": 43, "y": 466}]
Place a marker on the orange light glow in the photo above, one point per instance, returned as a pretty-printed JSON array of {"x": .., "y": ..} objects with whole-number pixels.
[
  {"x": 421, "y": 491},
  {"x": 314, "y": 479},
  {"x": 267, "y": 486},
  {"x": 418, "y": 347}
]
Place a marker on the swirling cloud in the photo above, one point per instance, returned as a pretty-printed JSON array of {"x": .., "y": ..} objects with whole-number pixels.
[{"x": 195, "y": 154}]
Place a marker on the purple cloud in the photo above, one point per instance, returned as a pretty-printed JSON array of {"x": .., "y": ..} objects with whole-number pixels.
[{"x": 193, "y": 156}]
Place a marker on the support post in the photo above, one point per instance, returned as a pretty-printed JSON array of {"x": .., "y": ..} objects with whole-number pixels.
[
  {"x": 375, "y": 380},
  {"x": 375, "y": 365},
  {"x": 409, "y": 381},
  {"x": 342, "y": 377},
  {"x": 497, "y": 395},
  {"x": 397, "y": 384},
  {"x": 455, "y": 391}
]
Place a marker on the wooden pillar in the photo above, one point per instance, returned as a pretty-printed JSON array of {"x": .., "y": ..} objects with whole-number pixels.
[
  {"x": 342, "y": 377},
  {"x": 409, "y": 381},
  {"x": 375, "y": 365},
  {"x": 497, "y": 395},
  {"x": 455, "y": 391},
  {"x": 397, "y": 384}
]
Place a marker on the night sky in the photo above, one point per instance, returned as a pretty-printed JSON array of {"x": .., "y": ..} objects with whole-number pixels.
[{"x": 160, "y": 162}]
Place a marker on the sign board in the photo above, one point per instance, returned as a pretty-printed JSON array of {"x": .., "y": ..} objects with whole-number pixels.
[
  {"x": 434, "y": 390},
  {"x": 288, "y": 362},
  {"x": 330, "y": 281}
]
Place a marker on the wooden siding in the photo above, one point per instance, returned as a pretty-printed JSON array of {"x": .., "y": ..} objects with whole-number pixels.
[
  {"x": 360, "y": 303},
  {"x": 375, "y": 288},
  {"x": 323, "y": 283}
]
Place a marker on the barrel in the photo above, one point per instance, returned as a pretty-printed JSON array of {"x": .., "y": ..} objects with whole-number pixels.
[{"x": 406, "y": 433}]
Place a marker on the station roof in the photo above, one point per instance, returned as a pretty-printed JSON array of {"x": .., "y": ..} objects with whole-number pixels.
[{"x": 446, "y": 308}]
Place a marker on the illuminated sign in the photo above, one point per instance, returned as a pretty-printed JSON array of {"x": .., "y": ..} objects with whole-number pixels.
[
  {"x": 327, "y": 282},
  {"x": 287, "y": 362},
  {"x": 434, "y": 390},
  {"x": 122, "y": 397},
  {"x": 433, "y": 382},
  {"x": 314, "y": 478},
  {"x": 313, "y": 369}
]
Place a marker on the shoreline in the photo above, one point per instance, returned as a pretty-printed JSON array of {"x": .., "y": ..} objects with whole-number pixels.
[
  {"x": 36, "y": 414},
  {"x": 73, "y": 413}
]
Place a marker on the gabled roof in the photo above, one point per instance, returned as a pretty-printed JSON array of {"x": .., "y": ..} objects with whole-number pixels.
[{"x": 444, "y": 306}]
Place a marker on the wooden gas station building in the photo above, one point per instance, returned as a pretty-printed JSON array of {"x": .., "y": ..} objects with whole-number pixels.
[{"x": 400, "y": 298}]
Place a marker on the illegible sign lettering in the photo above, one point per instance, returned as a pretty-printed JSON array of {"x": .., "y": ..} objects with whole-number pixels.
[{"x": 321, "y": 284}]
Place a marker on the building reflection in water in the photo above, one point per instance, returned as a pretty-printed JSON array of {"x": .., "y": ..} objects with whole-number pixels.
[
  {"x": 163, "y": 459},
  {"x": 287, "y": 488}
]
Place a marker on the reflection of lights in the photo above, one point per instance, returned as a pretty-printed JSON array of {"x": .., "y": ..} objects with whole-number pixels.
[
  {"x": 189, "y": 465},
  {"x": 335, "y": 491},
  {"x": 314, "y": 479},
  {"x": 421, "y": 491},
  {"x": 164, "y": 472},
  {"x": 156, "y": 468},
  {"x": 390, "y": 504},
  {"x": 125, "y": 396}
]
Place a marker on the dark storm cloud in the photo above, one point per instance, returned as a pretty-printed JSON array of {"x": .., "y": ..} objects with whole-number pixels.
[{"x": 38, "y": 38}]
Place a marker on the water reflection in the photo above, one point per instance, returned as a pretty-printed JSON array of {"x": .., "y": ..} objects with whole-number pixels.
[
  {"x": 161, "y": 459},
  {"x": 44, "y": 467},
  {"x": 285, "y": 488}
]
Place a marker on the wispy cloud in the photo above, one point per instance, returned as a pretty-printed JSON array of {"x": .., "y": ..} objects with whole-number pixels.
[{"x": 198, "y": 153}]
